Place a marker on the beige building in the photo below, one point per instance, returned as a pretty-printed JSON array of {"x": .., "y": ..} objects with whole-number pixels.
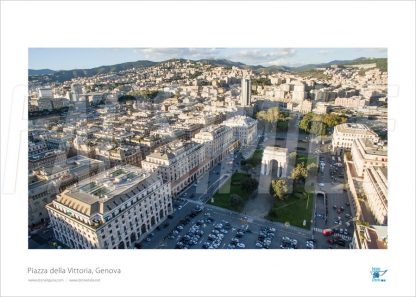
[
  {"x": 365, "y": 154},
  {"x": 305, "y": 106},
  {"x": 370, "y": 237},
  {"x": 352, "y": 102},
  {"x": 345, "y": 134},
  {"x": 321, "y": 108},
  {"x": 113, "y": 209},
  {"x": 375, "y": 188},
  {"x": 46, "y": 182},
  {"x": 244, "y": 129},
  {"x": 218, "y": 140},
  {"x": 179, "y": 163}
]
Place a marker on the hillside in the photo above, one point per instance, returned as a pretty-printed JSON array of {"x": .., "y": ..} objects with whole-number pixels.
[{"x": 64, "y": 75}]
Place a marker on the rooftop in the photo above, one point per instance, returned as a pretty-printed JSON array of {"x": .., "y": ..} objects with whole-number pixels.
[
  {"x": 240, "y": 121},
  {"x": 105, "y": 191},
  {"x": 372, "y": 148}
]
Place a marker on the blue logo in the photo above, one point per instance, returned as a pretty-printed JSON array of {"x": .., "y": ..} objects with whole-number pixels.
[{"x": 377, "y": 274}]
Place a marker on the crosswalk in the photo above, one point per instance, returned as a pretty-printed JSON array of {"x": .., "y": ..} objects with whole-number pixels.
[{"x": 345, "y": 237}]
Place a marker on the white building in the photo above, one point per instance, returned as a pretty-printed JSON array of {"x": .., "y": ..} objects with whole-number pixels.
[
  {"x": 113, "y": 209},
  {"x": 345, "y": 134},
  {"x": 375, "y": 189},
  {"x": 76, "y": 90},
  {"x": 299, "y": 94},
  {"x": 367, "y": 154},
  {"x": 244, "y": 129},
  {"x": 218, "y": 140},
  {"x": 179, "y": 163},
  {"x": 352, "y": 102},
  {"x": 45, "y": 92},
  {"x": 245, "y": 91}
]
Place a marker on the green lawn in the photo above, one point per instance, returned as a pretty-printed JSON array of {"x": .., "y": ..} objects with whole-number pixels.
[
  {"x": 232, "y": 186},
  {"x": 305, "y": 159},
  {"x": 254, "y": 160},
  {"x": 296, "y": 208}
]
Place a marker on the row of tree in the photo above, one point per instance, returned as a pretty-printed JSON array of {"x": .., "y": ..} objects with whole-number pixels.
[
  {"x": 271, "y": 115},
  {"x": 318, "y": 124}
]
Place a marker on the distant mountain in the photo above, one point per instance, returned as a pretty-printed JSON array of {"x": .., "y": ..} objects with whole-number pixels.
[
  {"x": 63, "y": 75},
  {"x": 223, "y": 62},
  {"x": 380, "y": 62},
  {"x": 40, "y": 71}
]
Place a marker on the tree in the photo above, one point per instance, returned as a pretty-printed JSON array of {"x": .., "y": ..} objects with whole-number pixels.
[
  {"x": 271, "y": 115},
  {"x": 317, "y": 128},
  {"x": 305, "y": 123},
  {"x": 312, "y": 167},
  {"x": 280, "y": 188},
  {"x": 236, "y": 201},
  {"x": 249, "y": 184},
  {"x": 300, "y": 171},
  {"x": 293, "y": 155}
]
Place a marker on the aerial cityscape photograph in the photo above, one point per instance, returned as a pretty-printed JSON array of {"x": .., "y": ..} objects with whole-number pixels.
[{"x": 207, "y": 148}]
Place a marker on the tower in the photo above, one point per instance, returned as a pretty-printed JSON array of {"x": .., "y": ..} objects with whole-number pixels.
[{"x": 245, "y": 91}]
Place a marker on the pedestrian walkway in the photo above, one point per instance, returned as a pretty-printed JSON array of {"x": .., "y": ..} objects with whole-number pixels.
[{"x": 345, "y": 237}]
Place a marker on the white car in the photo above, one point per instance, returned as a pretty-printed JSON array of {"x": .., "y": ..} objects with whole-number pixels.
[{"x": 321, "y": 184}]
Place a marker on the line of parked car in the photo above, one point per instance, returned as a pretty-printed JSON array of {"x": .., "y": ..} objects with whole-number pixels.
[{"x": 264, "y": 240}]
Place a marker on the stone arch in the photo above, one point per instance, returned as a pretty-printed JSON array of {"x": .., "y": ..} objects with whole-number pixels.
[{"x": 271, "y": 156}]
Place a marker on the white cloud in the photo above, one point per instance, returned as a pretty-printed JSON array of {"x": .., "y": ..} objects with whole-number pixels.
[
  {"x": 169, "y": 53},
  {"x": 266, "y": 56},
  {"x": 248, "y": 56}
]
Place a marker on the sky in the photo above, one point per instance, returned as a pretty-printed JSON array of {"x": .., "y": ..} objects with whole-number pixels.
[{"x": 79, "y": 58}]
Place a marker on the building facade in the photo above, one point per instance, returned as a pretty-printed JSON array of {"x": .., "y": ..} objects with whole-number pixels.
[
  {"x": 244, "y": 129},
  {"x": 46, "y": 182},
  {"x": 366, "y": 154},
  {"x": 179, "y": 163},
  {"x": 218, "y": 140},
  {"x": 375, "y": 189},
  {"x": 114, "y": 209},
  {"x": 245, "y": 91},
  {"x": 345, "y": 134}
]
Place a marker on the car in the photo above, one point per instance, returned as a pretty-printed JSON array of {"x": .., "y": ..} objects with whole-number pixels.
[
  {"x": 334, "y": 207},
  {"x": 347, "y": 204},
  {"x": 258, "y": 244},
  {"x": 241, "y": 245},
  {"x": 327, "y": 232},
  {"x": 170, "y": 216},
  {"x": 321, "y": 184}
]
